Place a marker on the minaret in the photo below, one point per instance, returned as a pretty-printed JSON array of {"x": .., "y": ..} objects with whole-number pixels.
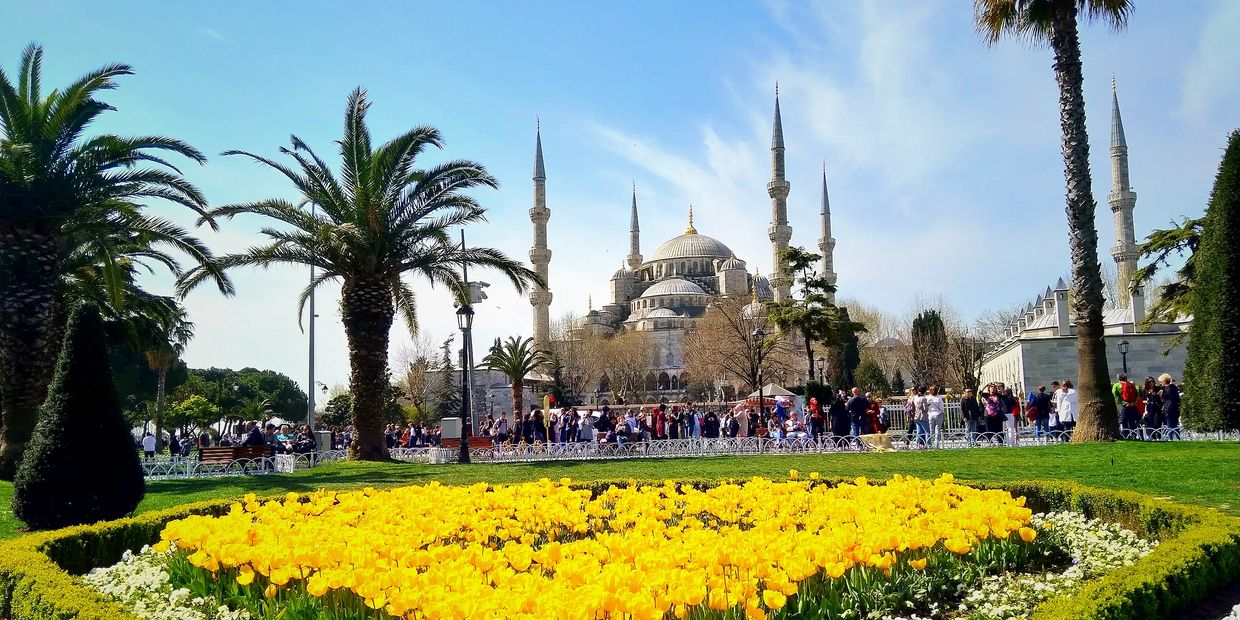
[
  {"x": 780, "y": 231},
  {"x": 635, "y": 245},
  {"x": 826, "y": 243},
  {"x": 540, "y": 256},
  {"x": 1122, "y": 200}
]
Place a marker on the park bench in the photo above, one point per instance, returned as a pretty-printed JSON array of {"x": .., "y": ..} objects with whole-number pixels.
[
  {"x": 225, "y": 456},
  {"x": 475, "y": 443}
]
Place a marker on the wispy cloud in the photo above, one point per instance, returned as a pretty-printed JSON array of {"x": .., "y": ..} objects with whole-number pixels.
[{"x": 212, "y": 33}]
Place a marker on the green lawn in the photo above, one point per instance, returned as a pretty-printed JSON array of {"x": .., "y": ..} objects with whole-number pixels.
[{"x": 1207, "y": 474}]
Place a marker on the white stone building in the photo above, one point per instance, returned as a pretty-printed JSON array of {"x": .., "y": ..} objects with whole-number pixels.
[{"x": 1040, "y": 346}]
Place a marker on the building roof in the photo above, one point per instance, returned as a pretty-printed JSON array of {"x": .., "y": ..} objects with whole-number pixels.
[
  {"x": 732, "y": 263},
  {"x": 690, "y": 246},
  {"x": 673, "y": 286},
  {"x": 623, "y": 272}
]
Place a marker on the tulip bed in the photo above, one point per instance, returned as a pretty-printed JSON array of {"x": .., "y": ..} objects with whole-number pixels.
[{"x": 757, "y": 549}]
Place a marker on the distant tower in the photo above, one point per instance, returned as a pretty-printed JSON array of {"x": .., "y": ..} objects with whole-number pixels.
[
  {"x": 1122, "y": 200},
  {"x": 826, "y": 243},
  {"x": 540, "y": 256},
  {"x": 635, "y": 245},
  {"x": 780, "y": 231}
]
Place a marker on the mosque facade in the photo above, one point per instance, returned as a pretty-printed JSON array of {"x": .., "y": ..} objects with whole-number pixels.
[{"x": 666, "y": 292}]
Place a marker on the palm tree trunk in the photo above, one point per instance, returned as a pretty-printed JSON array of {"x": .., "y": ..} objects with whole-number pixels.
[
  {"x": 366, "y": 309},
  {"x": 1098, "y": 420},
  {"x": 160, "y": 387},
  {"x": 518, "y": 397},
  {"x": 29, "y": 265}
]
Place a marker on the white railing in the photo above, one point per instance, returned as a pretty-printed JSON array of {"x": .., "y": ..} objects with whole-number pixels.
[{"x": 897, "y": 439}]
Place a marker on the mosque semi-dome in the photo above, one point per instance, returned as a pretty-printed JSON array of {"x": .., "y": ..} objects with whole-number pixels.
[
  {"x": 673, "y": 286},
  {"x": 622, "y": 273},
  {"x": 662, "y": 313},
  {"x": 732, "y": 263}
]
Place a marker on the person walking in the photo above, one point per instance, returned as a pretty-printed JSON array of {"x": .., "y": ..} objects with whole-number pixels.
[
  {"x": 921, "y": 419},
  {"x": 148, "y": 445},
  {"x": 1126, "y": 396}
]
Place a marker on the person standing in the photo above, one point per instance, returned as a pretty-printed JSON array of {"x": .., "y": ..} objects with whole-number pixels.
[
  {"x": 1042, "y": 414},
  {"x": 1067, "y": 406},
  {"x": 857, "y": 407},
  {"x": 817, "y": 418},
  {"x": 1151, "y": 419},
  {"x": 972, "y": 416},
  {"x": 1171, "y": 406},
  {"x": 742, "y": 422},
  {"x": 934, "y": 415},
  {"x": 675, "y": 427},
  {"x": 921, "y": 419},
  {"x": 838, "y": 413},
  {"x": 148, "y": 445},
  {"x": 996, "y": 412},
  {"x": 1126, "y": 395}
]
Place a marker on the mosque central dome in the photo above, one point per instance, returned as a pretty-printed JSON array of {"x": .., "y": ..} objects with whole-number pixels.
[{"x": 691, "y": 245}]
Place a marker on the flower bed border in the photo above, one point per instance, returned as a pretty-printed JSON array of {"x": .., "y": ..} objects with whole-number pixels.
[{"x": 1199, "y": 551}]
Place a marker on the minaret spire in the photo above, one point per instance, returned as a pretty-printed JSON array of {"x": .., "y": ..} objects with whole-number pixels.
[
  {"x": 780, "y": 232},
  {"x": 826, "y": 243},
  {"x": 635, "y": 245},
  {"x": 540, "y": 256},
  {"x": 690, "y": 230},
  {"x": 1122, "y": 200}
]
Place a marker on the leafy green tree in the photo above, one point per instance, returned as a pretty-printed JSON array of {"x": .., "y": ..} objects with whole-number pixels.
[
  {"x": 1212, "y": 372},
  {"x": 287, "y": 399},
  {"x": 336, "y": 411},
  {"x": 61, "y": 189},
  {"x": 381, "y": 218},
  {"x": 812, "y": 317},
  {"x": 516, "y": 358},
  {"x": 870, "y": 378},
  {"x": 1054, "y": 23},
  {"x": 82, "y": 465},
  {"x": 1175, "y": 299},
  {"x": 194, "y": 411}
]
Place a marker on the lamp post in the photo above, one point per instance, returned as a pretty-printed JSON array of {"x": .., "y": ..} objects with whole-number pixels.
[
  {"x": 1123, "y": 353},
  {"x": 759, "y": 337},
  {"x": 822, "y": 370},
  {"x": 465, "y": 321}
]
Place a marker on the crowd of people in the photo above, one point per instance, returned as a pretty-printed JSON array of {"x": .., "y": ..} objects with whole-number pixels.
[{"x": 993, "y": 416}]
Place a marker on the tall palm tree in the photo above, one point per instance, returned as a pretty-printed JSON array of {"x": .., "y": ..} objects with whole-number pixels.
[
  {"x": 516, "y": 358},
  {"x": 167, "y": 335},
  {"x": 1054, "y": 23},
  {"x": 51, "y": 174},
  {"x": 381, "y": 218}
]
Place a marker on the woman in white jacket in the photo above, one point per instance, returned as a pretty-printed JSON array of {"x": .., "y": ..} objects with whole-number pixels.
[{"x": 1067, "y": 406}]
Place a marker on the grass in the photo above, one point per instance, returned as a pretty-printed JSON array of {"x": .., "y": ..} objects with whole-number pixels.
[{"x": 1205, "y": 474}]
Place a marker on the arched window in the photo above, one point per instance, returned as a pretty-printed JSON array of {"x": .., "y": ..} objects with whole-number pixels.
[
  {"x": 675, "y": 382},
  {"x": 665, "y": 382},
  {"x": 652, "y": 384},
  {"x": 682, "y": 266}
]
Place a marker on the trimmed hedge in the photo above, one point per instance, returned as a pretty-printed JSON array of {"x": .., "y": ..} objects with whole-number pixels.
[{"x": 1198, "y": 552}]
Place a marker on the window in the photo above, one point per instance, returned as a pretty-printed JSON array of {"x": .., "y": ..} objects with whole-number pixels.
[
  {"x": 675, "y": 382},
  {"x": 665, "y": 382}
]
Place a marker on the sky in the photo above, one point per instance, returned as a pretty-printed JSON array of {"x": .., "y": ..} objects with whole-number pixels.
[{"x": 942, "y": 152}]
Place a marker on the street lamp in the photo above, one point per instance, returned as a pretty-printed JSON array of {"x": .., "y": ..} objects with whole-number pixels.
[
  {"x": 465, "y": 321},
  {"x": 759, "y": 336},
  {"x": 1123, "y": 353},
  {"x": 822, "y": 370}
]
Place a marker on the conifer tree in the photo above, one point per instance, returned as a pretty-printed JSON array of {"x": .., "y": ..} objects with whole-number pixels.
[
  {"x": 1212, "y": 372},
  {"x": 81, "y": 465}
]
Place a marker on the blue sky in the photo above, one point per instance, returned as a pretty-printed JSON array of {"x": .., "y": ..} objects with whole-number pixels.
[{"x": 943, "y": 153}]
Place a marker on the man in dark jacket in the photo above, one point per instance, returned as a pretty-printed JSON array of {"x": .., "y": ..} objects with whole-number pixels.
[
  {"x": 971, "y": 413},
  {"x": 253, "y": 436},
  {"x": 1042, "y": 413},
  {"x": 857, "y": 407}
]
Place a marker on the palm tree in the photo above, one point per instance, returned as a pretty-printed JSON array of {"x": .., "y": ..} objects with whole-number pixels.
[
  {"x": 516, "y": 358},
  {"x": 381, "y": 218},
  {"x": 167, "y": 335},
  {"x": 56, "y": 182},
  {"x": 1054, "y": 23}
]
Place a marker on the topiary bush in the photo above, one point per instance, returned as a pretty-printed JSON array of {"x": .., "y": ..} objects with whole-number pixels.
[
  {"x": 81, "y": 465},
  {"x": 1212, "y": 371}
]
